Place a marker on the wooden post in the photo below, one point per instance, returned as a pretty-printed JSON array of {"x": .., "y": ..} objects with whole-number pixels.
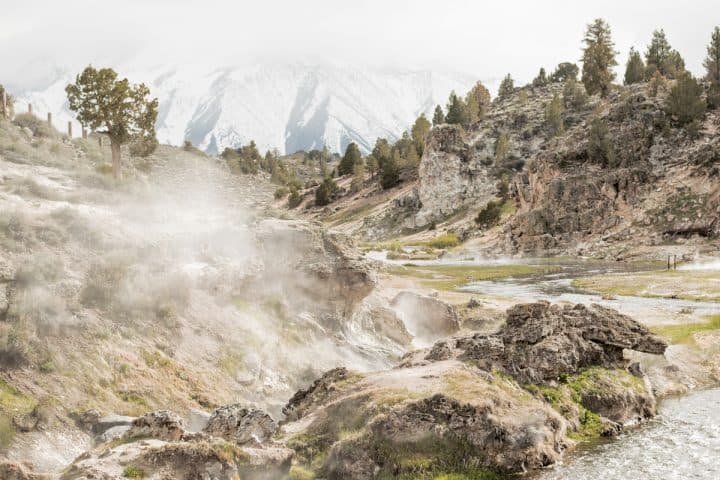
[
  {"x": 100, "y": 140},
  {"x": 49, "y": 119},
  {"x": 30, "y": 108},
  {"x": 70, "y": 129},
  {"x": 668, "y": 262},
  {"x": 674, "y": 262}
]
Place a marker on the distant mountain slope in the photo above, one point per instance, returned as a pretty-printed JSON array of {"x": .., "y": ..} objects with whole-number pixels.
[{"x": 288, "y": 107}]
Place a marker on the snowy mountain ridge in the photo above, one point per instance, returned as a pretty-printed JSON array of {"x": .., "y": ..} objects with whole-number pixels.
[{"x": 288, "y": 107}]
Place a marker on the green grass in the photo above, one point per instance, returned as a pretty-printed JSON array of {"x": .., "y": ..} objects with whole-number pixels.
[
  {"x": 298, "y": 472},
  {"x": 349, "y": 215},
  {"x": 447, "y": 240},
  {"x": 681, "y": 284},
  {"x": 683, "y": 333},
  {"x": 135, "y": 473},
  {"x": 449, "y": 277}
]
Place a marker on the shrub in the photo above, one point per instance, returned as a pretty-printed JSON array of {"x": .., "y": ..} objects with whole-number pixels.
[
  {"x": 685, "y": 103},
  {"x": 599, "y": 148},
  {"x": 294, "y": 199},
  {"x": 325, "y": 192},
  {"x": 565, "y": 71},
  {"x": 444, "y": 241},
  {"x": 39, "y": 128},
  {"x": 144, "y": 146},
  {"x": 490, "y": 214},
  {"x": 135, "y": 473},
  {"x": 574, "y": 95},
  {"x": 554, "y": 117}
]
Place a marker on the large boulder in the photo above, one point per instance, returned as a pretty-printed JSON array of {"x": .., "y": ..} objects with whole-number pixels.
[
  {"x": 163, "y": 425},
  {"x": 241, "y": 425},
  {"x": 426, "y": 318}
]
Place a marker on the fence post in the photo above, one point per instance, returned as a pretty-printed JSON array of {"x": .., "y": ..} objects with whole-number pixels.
[
  {"x": 668, "y": 262},
  {"x": 100, "y": 140},
  {"x": 49, "y": 119},
  {"x": 70, "y": 129}
]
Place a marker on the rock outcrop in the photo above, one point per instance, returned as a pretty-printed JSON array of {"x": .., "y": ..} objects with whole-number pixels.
[
  {"x": 428, "y": 319},
  {"x": 506, "y": 402},
  {"x": 540, "y": 342},
  {"x": 241, "y": 425}
]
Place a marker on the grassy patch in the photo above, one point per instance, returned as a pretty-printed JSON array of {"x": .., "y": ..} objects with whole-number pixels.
[
  {"x": 349, "y": 215},
  {"x": 680, "y": 284},
  {"x": 684, "y": 333},
  {"x": 447, "y": 240},
  {"x": 133, "y": 472},
  {"x": 449, "y": 277},
  {"x": 298, "y": 472}
]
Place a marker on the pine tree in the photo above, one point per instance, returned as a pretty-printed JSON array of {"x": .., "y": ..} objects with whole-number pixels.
[
  {"x": 712, "y": 61},
  {"x": 507, "y": 87},
  {"x": 599, "y": 148},
  {"x": 372, "y": 164},
  {"x": 684, "y": 102},
  {"x": 456, "y": 110},
  {"x": 477, "y": 102},
  {"x": 419, "y": 132},
  {"x": 502, "y": 146},
  {"x": 351, "y": 157},
  {"x": 661, "y": 57},
  {"x": 123, "y": 111},
  {"x": 390, "y": 171},
  {"x": 553, "y": 117},
  {"x": 358, "y": 176},
  {"x": 438, "y": 116},
  {"x": 541, "y": 79},
  {"x": 381, "y": 151},
  {"x": 598, "y": 58},
  {"x": 634, "y": 68}
]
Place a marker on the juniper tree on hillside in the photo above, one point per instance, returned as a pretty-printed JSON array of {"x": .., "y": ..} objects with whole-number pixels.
[
  {"x": 351, "y": 157},
  {"x": 661, "y": 57},
  {"x": 390, "y": 171},
  {"x": 507, "y": 87},
  {"x": 438, "y": 116},
  {"x": 116, "y": 108},
  {"x": 598, "y": 58},
  {"x": 712, "y": 61},
  {"x": 634, "y": 68}
]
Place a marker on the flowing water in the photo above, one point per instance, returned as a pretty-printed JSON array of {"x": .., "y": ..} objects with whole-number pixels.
[{"x": 682, "y": 442}]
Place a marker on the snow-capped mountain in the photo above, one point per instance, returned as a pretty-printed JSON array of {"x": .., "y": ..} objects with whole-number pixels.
[{"x": 288, "y": 107}]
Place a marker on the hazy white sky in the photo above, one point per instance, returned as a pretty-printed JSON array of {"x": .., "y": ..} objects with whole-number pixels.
[{"x": 486, "y": 39}]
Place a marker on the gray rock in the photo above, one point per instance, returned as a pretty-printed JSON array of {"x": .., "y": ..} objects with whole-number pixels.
[
  {"x": 163, "y": 425},
  {"x": 112, "y": 433},
  {"x": 198, "y": 420},
  {"x": 242, "y": 425},
  {"x": 427, "y": 318},
  {"x": 109, "y": 421}
]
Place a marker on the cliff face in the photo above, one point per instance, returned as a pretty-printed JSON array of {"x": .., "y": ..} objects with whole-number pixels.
[
  {"x": 460, "y": 170},
  {"x": 641, "y": 178},
  {"x": 657, "y": 183}
]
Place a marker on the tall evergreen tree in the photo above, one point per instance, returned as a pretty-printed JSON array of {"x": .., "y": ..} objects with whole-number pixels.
[
  {"x": 438, "y": 116},
  {"x": 661, "y": 57},
  {"x": 634, "y": 68},
  {"x": 351, "y": 157},
  {"x": 507, "y": 87},
  {"x": 712, "y": 61},
  {"x": 553, "y": 117},
  {"x": 456, "y": 110},
  {"x": 381, "y": 151},
  {"x": 598, "y": 58},
  {"x": 390, "y": 171},
  {"x": 419, "y": 131},
  {"x": 477, "y": 102}
]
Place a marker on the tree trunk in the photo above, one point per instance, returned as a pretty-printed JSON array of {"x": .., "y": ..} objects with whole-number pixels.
[{"x": 115, "y": 148}]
